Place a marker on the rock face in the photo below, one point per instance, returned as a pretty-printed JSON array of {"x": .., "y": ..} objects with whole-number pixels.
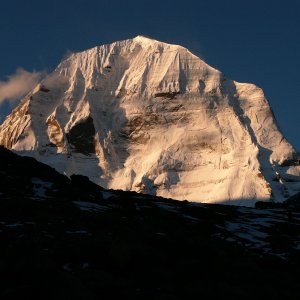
[{"x": 152, "y": 117}]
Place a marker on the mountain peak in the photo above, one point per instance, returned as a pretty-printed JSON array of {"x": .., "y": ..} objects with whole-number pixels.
[
  {"x": 144, "y": 39},
  {"x": 144, "y": 65},
  {"x": 151, "y": 42},
  {"x": 147, "y": 41},
  {"x": 147, "y": 116}
]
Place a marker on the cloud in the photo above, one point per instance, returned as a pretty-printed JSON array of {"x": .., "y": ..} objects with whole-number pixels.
[{"x": 19, "y": 84}]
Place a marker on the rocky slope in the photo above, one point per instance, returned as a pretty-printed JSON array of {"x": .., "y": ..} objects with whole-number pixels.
[
  {"x": 67, "y": 238},
  {"x": 151, "y": 117}
]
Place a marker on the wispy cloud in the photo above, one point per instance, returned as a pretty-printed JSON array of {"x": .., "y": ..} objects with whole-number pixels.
[{"x": 19, "y": 84}]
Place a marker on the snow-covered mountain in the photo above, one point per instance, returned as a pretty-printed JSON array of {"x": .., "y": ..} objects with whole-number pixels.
[{"x": 152, "y": 117}]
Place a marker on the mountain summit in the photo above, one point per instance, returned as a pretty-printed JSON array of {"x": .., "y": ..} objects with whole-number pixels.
[{"x": 147, "y": 116}]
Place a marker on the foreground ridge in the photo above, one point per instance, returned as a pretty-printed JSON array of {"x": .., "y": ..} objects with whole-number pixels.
[{"x": 88, "y": 242}]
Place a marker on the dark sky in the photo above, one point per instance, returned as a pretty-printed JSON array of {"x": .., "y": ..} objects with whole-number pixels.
[{"x": 250, "y": 41}]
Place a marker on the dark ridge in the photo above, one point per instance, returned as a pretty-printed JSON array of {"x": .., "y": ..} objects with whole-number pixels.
[
  {"x": 82, "y": 136},
  {"x": 294, "y": 201},
  {"x": 270, "y": 205},
  {"x": 17, "y": 172},
  {"x": 20, "y": 167},
  {"x": 67, "y": 238}
]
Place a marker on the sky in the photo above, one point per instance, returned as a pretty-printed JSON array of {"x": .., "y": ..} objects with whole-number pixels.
[{"x": 253, "y": 41}]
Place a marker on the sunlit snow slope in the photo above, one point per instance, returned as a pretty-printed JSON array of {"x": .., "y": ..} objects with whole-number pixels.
[{"x": 147, "y": 116}]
